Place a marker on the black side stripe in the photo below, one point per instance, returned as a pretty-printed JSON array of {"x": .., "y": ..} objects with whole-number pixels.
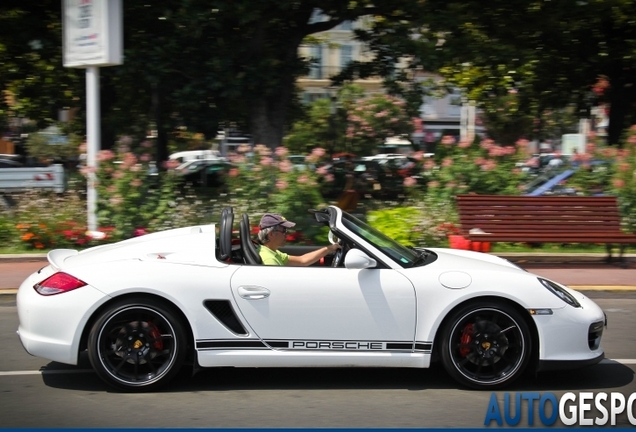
[
  {"x": 257, "y": 344},
  {"x": 230, "y": 345}
]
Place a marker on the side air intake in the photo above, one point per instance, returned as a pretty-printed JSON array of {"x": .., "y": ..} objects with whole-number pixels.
[{"x": 222, "y": 310}]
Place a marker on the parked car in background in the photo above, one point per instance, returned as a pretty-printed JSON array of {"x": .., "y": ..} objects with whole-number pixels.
[
  {"x": 9, "y": 163},
  {"x": 191, "y": 155},
  {"x": 204, "y": 172}
]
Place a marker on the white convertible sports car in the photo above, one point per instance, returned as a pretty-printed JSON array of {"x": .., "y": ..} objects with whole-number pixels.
[{"x": 145, "y": 307}]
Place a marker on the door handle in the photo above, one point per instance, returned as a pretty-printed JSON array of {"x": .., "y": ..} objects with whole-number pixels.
[{"x": 253, "y": 292}]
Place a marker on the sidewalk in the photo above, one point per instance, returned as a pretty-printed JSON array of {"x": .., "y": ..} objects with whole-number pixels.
[{"x": 580, "y": 271}]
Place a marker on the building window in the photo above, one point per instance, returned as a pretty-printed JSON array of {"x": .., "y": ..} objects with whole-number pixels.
[
  {"x": 345, "y": 26},
  {"x": 346, "y": 55},
  {"x": 315, "y": 70}
]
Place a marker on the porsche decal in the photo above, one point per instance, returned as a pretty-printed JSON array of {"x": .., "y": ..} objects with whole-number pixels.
[{"x": 321, "y": 345}]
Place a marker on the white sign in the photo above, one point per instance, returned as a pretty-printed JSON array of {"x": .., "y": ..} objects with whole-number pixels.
[{"x": 93, "y": 33}]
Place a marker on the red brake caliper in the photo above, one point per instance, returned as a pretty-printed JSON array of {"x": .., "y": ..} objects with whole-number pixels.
[
  {"x": 156, "y": 335},
  {"x": 467, "y": 337}
]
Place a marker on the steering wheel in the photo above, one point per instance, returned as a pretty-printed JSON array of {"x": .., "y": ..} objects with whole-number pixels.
[{"x": 337, "y": 257}]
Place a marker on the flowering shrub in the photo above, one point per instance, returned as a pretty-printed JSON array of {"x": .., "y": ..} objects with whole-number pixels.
[
  {"x": 36, "y": 235},
  {"x": 372, "y": 119},
  {"x": 474, "y": 167},
  {"x": 265, "y": 181},
  {"x": 128, "y": 199},
  {"x": 624, "y": 180},
  {"x": 594, "y": 169}
]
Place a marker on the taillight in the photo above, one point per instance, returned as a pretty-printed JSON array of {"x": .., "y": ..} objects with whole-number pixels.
[{"x": 58, "y": 283}]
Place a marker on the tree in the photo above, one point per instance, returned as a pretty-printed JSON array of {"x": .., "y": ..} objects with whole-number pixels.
[
  {"x": 550, "y": 52},
  {"x": 190, "y": 64}
]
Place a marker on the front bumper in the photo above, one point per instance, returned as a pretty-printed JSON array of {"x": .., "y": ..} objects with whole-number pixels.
[{"x": 571, "y": 336}]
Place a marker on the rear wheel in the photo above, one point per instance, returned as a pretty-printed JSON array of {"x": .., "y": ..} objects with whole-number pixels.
[
  {"x": 137, "y": 345},
  {"x": 486, "y": 345}
]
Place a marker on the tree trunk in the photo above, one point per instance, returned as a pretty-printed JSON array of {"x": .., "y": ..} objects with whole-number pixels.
[
  {"x": 161, "y": 142},
  {"x": 268, "y": 115},
  {"x": 622, "y": 98}
]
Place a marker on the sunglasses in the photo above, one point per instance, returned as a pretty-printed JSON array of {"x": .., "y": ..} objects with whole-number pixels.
[{"x": 281, "y": 230}]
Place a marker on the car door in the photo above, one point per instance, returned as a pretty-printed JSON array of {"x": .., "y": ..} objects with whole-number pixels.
[{"x": 332, "y": 305}]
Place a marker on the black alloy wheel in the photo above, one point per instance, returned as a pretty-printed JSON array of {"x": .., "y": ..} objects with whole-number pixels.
[
  {"x": 486, "y": 345},
  {"x": 137, "y": 345}
]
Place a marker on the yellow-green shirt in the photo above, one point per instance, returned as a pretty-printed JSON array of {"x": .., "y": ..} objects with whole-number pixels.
[{"x": 271, "y": 257}]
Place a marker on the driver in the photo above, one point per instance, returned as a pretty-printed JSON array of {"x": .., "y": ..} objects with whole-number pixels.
[{"x": 273, "y": 235}]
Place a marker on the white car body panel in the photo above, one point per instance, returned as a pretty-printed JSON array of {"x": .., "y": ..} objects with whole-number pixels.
[{"x": 294, "y": 316}]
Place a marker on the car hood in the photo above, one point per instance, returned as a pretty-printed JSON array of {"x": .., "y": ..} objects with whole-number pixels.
[
  {"x": 468, "y": 260},
  {"x": 191, "y": 245}
]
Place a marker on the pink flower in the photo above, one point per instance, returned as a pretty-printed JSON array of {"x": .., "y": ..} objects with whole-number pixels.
[
  {"x": 105, "y": 155},
  {"x": 448, "y": 140},
  {"x": 233, "y": 172},
  {"x": 464, "y": 143},
  {"x": 409, "y": 182},
  {"x": 619, "y": 183},
  {"x": 285, "y": 166},
  {"x": 170, "y": 164},
  {"x": 318, "y": 151},
  {"x": 136, "y": 183},
  {"x": 86, "y": 170},
  {"x": 303, "y": 179},
  {"x": 243, "y": 148},
  {"x": 266, "y": 161},
  {"x": 116, "y": 200},
  {"x": 139, "y": 232},
  {"x": 281, "y": 152},
  {"x": 145, "y": 157},
  {"x": 433, "y": 184},
  {"x": 281, "y": 184}
]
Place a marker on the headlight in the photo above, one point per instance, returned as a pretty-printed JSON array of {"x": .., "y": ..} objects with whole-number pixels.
[{"x": 560, "y": 292}]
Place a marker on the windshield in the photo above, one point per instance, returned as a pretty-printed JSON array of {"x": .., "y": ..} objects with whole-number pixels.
[{"x": 402, "y": 255}]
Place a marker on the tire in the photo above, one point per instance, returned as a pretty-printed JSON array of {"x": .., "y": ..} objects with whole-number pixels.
[
  {"x": 486, "y": 345},
  {"x": 137, "y": 344}
]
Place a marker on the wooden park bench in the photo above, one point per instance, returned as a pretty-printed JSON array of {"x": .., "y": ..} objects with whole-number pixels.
[{"x": 543, "y": 219}]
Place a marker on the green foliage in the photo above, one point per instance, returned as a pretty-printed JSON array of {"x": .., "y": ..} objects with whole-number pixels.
[
  {"x": 595, "y": 169},
  {"x": 419, "y": 223},
  {"x": 266, "y": 181},
  {"x": 39, "y": 147},
  {"x": 474, "y": 167},
  {"x": 624, "y": 181},
  {"x": 44, "y": 220},
  {"x": 373, "y": 119},
  {"x": 129, "y": 200}
]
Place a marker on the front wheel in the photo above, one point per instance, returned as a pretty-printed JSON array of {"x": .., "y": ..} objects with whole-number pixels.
[
  {"x": 137, "y": 345},
  {"x": 486, "y": 345}
]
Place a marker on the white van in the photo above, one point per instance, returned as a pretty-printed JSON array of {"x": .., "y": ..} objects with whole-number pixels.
[{"x": 185, "y": 156}]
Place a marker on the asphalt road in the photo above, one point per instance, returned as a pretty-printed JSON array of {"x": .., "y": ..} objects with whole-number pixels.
[{"x": 36, "y": 393}]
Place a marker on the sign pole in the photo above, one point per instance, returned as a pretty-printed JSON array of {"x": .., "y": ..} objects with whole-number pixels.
[
  {"x": 93, "y": 144},
  {"x": 93, "y": 37}
]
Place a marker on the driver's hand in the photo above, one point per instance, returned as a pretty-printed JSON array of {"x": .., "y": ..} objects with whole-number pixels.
[{"x": 333, "y": 247}]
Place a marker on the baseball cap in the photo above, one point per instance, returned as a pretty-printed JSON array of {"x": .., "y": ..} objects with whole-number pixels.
[{"x": 274, "y": 219}]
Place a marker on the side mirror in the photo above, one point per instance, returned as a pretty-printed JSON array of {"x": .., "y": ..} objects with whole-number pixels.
[{"x": 356, "y": 259}]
